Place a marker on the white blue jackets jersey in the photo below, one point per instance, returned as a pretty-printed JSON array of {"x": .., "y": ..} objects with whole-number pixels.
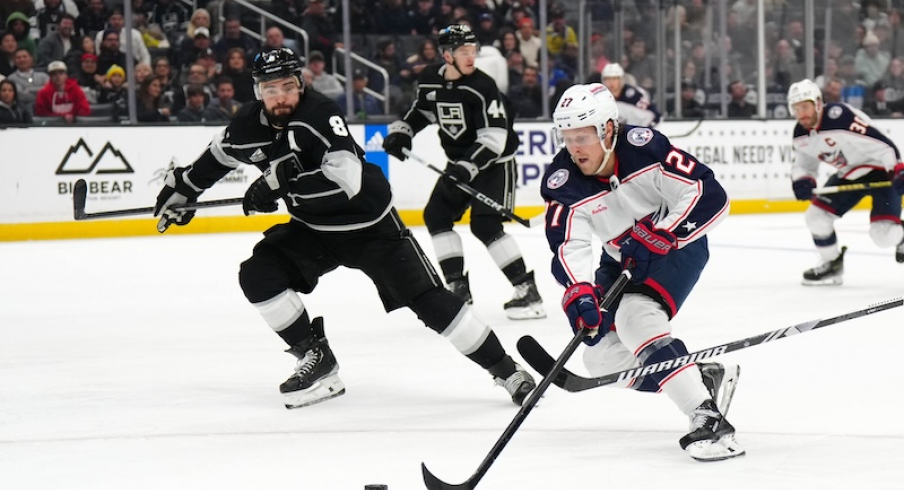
[
  {"x": 652, "y": 178},
  {"x": 635, "y": 108},
  {"x": 331, "y": 186},
  {"x": 844, "y": 139}
]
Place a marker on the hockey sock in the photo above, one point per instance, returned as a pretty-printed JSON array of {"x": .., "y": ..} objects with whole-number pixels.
[
  {"x": 297, "y": 331},
  {"x": 683, "y": 384}
]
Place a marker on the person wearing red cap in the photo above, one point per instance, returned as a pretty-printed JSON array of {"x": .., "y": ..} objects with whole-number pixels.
[
  {"x": 61, "y": 96},
  {"x": 86, "y": 77},
  {"x": 529, "y": 42}
]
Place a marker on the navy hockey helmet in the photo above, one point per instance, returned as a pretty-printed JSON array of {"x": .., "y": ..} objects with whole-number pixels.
[
  {"x": 275, "y": 64},
  {"x": 456, "y": 35}
]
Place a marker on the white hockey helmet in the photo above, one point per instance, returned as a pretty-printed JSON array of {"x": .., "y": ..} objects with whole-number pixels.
[
  {"x": 613, "y": 70},
  {"x": 802, "y": 91},
  {"x": 586, "y": 105}
]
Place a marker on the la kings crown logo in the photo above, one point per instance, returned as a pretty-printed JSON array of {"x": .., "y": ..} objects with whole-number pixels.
[
  {"x": 81, "y": 160},
  {"x": 451, "y": 118}
]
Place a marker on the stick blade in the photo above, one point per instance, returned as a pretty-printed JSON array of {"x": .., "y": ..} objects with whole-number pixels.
[
  {"x": 79, "y": 198},
  {"x": 434, "y": 483}
]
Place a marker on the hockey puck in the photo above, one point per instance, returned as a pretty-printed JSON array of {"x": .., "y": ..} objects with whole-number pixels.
[{"x": 376, "y": 487}]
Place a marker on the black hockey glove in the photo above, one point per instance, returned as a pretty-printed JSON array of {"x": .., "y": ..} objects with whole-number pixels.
[
  {"x": 177, "y": 190},
  {"x": 646, "y": 249},
  {"x": 399, "y": 138},
  {"x": 897, "y": 178},
  {"x": 463, "y": 171},
  {"x": 263, "y": 194},
  {"x": 803, "y": 188}
]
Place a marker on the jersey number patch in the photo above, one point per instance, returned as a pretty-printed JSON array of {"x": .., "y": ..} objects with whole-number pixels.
[{"x": 338, "y": 126}]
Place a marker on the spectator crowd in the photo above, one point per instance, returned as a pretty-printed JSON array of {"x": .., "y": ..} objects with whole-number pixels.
[{"x": 66, "y": 60}]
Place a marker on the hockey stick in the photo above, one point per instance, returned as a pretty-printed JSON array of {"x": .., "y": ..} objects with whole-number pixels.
[
  {"x": 539, "y": 220},
  {"x": 865, "y": 186},
  {"x": 434, "y": 483},
  {"x": 80, "y": 197},
  {"x": 540, "y": 360},
  {"x": 688, "y": 132}
]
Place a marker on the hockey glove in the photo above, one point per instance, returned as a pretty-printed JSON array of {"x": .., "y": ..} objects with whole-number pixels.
[
  {"x": 581, "y": 303},
  {"x": 462, "y": 171},
  {"x": 399, "y": 137},
  {"x": 263, "y": 194},
  {"x": 897, "y": 178},
  {"x": 177, "y": 191},
  {"x": 803, "y": 188},
  {"x": 646, "y": 249}
]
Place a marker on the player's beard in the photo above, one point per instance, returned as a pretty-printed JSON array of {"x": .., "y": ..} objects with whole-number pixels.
[{"x": 279, "y": 116}]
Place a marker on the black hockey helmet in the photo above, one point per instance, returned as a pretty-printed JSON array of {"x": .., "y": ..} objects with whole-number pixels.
[
  {"x": 456, "y": 35},
  {"x": 275, "y": 64}
]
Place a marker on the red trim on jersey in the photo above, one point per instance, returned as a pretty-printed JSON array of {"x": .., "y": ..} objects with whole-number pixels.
[
  {"x": 665, "y": 295},
  {"x": 883, "y": 217},
  {"x": 823, "y": 206},
  {"x": 650, "y": 341}
]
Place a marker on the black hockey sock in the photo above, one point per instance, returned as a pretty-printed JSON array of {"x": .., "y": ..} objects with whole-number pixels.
[
  {"x": 492, "y": 357},
  {"x": 299, "y": 330},
  {"x": 453, "y": 268},
  {"x": 516, "y": 272}
]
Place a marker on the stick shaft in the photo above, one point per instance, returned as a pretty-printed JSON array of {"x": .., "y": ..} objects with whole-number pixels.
[
  {"x": 864, "y": 186},
  {"x": 434, "y": 483},
  {"x": 80, "y": 197},
  {"x": 487, "y": 200}
]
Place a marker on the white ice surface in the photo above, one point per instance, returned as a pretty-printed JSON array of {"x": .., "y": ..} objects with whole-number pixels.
[{"x": 137, "y": 364}]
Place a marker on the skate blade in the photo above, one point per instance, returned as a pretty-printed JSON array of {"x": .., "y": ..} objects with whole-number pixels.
[
  {"x": 323, "y": 390},
  {"x": 726, "y": 447},
  {"x": 829, "y": 281},
  {"x": 530, "y": 312}
]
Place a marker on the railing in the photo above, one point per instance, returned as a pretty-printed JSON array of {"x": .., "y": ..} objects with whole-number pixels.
[
  {"x": 384, "y": 97},
  {"x": 264, "y": 17}
]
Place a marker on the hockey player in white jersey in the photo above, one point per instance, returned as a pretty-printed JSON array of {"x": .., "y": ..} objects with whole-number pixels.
[
  {"x": 634, "y": 106},
  {"x": 651, "y": 204},
  {"x": 843, "y": 137}
]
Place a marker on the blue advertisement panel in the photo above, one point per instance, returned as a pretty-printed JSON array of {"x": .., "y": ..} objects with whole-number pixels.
[{"x": 373, "y": 146}]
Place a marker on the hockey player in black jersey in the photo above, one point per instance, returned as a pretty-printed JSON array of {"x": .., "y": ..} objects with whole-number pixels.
[
  {"x": 843, "y": 137},
  {"x": 476, "y": 132},
  {"x": 341, "y": 216},
  {"x": 651, "y": 205}
]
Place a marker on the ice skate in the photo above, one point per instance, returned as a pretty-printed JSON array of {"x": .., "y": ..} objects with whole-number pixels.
[
  {"x": 721, "y": 381},
  {"x": 519, "y": 384},
  {"x": 526, "y": 304},
  {"x": 827, "y": 273},
  {"x": 316, "y": 377},
  {"x": 460, "y": 286},
  {"x": 899, "y": 253},
  {"x": 711, "y": 437}
]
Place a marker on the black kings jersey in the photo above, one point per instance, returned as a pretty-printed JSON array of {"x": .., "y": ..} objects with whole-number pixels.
[
  {"x": 474, "y": 117},
  {"x": 331, "y": 186}
]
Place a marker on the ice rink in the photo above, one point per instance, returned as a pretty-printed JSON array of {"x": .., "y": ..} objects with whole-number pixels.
[{"x": 136, "y": 363}]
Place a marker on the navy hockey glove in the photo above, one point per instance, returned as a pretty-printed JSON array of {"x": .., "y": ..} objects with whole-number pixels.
[
  {"x": 803, "y": 188},
  {"x": 399, "y": 137},
  {"x": 263, "y": 194},
  {"x": 646, "y": 249},
  {"x": 581, "y": 303},
  {"x": 176, "y": 191},
  {"x": 897, "y": 178},
  {"x": 463, "y": 171}
]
